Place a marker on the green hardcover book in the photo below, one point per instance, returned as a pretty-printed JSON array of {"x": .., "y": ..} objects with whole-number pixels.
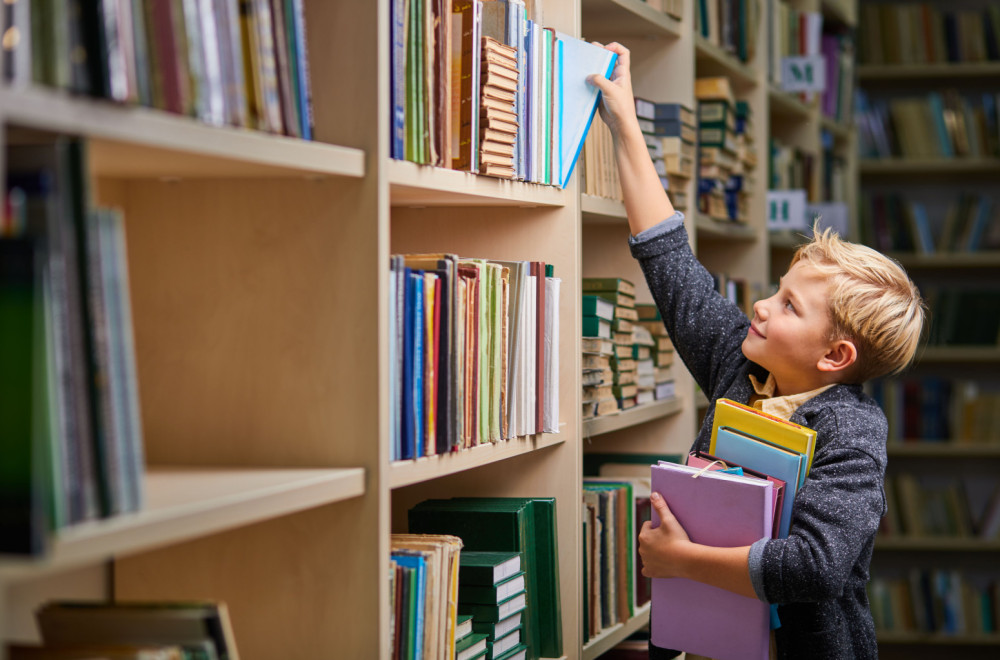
[
  {"x": 592, "y": 284},
  {"x": 715, "y": 111},
  {"x": 463, "y": 627},
  {"x": 517, "y": 653},
  {"x": 596, "y": 327},
  {"x": 491, "y": 594},
  {"x": 614, "y": 297},
  {"x": 471, "y": 646},
  {"x": 487, "y": 568},
  {"x": 500, "y": 645},
  {"x": 496, "y": 630},
  {"x": 626, "y": 507},
  {"x": 498, "y": 611},
  {"x": 598, "y": 307}
]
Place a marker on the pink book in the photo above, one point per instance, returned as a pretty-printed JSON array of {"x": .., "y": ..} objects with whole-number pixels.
[
  {"x": 720, "y": 510},
  {"x": 700, "y": 459}
]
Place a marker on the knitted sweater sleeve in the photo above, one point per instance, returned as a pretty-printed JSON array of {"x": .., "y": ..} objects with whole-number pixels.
[
  {"x": 835, "y": 514},
  {"x": 707, "y": 330}
]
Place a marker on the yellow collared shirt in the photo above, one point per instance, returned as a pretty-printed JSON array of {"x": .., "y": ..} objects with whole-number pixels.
[{"x": 779, "y": 406}]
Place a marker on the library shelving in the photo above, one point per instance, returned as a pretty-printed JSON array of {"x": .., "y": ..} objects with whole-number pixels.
[{"x": 259, "y": 268}]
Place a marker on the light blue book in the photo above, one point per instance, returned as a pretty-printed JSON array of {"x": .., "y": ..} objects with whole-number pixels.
[
  {"x": 762, "y": 456},
  {"x": 580, "y": 59}
]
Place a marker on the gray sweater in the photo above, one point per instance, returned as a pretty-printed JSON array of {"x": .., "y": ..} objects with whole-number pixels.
[{"x": 818, "y": 574}]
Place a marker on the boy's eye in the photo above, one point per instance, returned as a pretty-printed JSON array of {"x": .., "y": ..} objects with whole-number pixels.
[{"x": 789, "y": 306}]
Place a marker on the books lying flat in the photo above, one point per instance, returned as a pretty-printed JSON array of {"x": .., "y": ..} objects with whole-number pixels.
[
  {"x": 491, "y": 594},
  {"x": 478, "y": 567},
  {"x": 497, "y": 612},
  {"x": 759, "y": 424},
  {"x": 719, "y": 510},
  {"x": 470, "y": 646},
  {"x": 496, "y": 630}
]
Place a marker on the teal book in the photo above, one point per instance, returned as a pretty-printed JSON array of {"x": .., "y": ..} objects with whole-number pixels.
[
  {"x": 579, "y": 60},
  {"x": 598, "y": 306},
  {"x": 596, "y": 327}
]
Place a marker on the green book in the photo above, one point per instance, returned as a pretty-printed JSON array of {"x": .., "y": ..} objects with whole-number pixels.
[
  {"x": 491, "y": 594},
  {"x": 500, "y": 645},
  {"x": 596, "y": 327},
  {"x": 486, "y": 568},
  {"x": 625, "y": 502},
  {"x": 598, "y": 307},
  {"x": 517, "y": 653},
  {"x": 614, "y": 297},
  {"x": 591, "y": 284},
  {"x": 463, "y": 627},
  {"x": 498, "y": 629},
  {"x": 497, "y": 611},
  {"x": 471, "y": 646}
]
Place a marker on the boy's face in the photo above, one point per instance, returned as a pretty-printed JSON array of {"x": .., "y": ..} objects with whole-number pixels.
[{"x": 790, "y": 331}]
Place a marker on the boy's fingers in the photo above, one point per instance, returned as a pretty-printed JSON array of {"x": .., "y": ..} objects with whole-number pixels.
[
  {"x": 600, "y": 82},
  {"x": 661, "y": 507},
  {"x": 624, "y": 56}
]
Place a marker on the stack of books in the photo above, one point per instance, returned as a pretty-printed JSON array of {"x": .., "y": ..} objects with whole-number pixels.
[
  {"x": 741, "y": 181},
  {"x": 423, "y": 581},
  {"x": 526, "y": 527},
  {"x": 645, "y": 368},
  {"x": 498, "y": 114},
  {"x": 616, "y": 297},
  {"x": 492, "y": 593},
  {"x": 716, "y": 144},
  {"x": 597, "y": 377},
  {"x": 670, "y": 134},
  {"x": 662, "y": 350}
]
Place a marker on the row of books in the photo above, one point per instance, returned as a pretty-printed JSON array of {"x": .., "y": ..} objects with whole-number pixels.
[
  {"x": 674, "y": 8},
  {"x": 739, "y": 492},
  {"x": 789, "y": 167},
  {"x": 926, "y": 33},
  {"x": 933, "y": 409},
  {"x": 734, "y": 289},
  {"x": 446, "y": 90},
  {"x": 952, "y": 602},
  {"x": 835, "y": 174},
  {"x": 922, "y": 505},
  {"x": 963, "y": 315},
  {"x": 509, "y": 556},
  {"x": 729, "y": 24},
  {"x": 598, "y": 170},
  {"x": 613, "y": 512},
  {"x": 131, "y": 630},
  {"x": 896, "y": 222},
  {"x": 232, "y": 62},
  {"x": 474, "y": 352},
  {"x": 73, "y": 418},
  {"x": 794, "y": 32},
  {"x": 669, "y": 130},
  {"x": 837, "y": 100},
  {"x": 943, "y": 124}
]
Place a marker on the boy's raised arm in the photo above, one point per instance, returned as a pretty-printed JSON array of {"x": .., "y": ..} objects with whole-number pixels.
[{"x": 646, "y": 202}]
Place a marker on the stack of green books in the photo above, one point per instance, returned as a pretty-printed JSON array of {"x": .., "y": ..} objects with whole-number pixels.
[
  {"x": 617, "y": 296},
  {"x": 491, "y": 589},
  {"x": 526, "y": 526},
  {"x": 662, "y": 350}
]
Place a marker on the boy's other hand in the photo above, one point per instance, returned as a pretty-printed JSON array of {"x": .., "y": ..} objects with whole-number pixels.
[
  {"x": 661, "y": 548},
  {"x": 618, "y": 106}
]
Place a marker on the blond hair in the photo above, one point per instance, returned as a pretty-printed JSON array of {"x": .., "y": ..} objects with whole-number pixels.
[{"x": 873, "y": 303}]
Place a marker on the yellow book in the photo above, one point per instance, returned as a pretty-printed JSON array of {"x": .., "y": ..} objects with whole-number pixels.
[{"x": 759, "y": 424}]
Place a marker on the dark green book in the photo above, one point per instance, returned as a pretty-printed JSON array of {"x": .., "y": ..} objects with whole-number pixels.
[
  {"x": 487, "y": 567},
  {"x": 495, "y": 630},
  {"x": 591, "y": 284},
  {"x": 491, "y": 594},
  {"x": 463, "y": 626},
  {"x": 597, "y": 306},
  {"x": 497, "y": 611},
  {"x": 470, "y": 646},
  {"x": 517, "y": 653},
  {"x": 596, "y": 327}
]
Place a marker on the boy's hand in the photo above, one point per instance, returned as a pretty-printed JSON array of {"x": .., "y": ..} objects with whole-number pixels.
[
  {"x": 618, "y": 106},
  {"x": 661, "y": 547}
]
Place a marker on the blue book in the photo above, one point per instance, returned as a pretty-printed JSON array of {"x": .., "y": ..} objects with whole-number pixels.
[
  {"x": 419, "y": 566},
  {"x": 762, "y": 456},
  {"x": 393, "y": 375},
  {"x": 579, "y": 60},
  {"x": 981, "y": 222},
  {"x": 418, "y": 364},
  {"x": 937, "y": 112},
  {"x": 397, "y": 89},
  {"x": 408, "y": 440}
]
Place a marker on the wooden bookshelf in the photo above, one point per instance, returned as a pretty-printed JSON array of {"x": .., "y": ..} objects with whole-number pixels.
[
  {"x": 785, "y": 105},
  {"x": 421, "y": 185},
  {"x": 628, "y": 18},
  {"x": 940, "y": 167},
  {"x": 936, "y": 544},
  {"x": 598, "y": 210},
  {"x": 710, "y": 228},
  {"x": 943, "y": 450},
  {"x": 610, "y": 637},
  {"x": 841, "y": 132},
  {"x": 633, "y": 416},
  {"x": 844, "y": 12},
  {"x": 959, "y": 354},
  {"x": 948, "y": 260},
  {"x": 937, "y": 639},
  {"x": 712, "y": 60}
]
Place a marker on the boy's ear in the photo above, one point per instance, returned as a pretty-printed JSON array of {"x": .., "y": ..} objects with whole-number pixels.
[{"x": 841, "y": 355}]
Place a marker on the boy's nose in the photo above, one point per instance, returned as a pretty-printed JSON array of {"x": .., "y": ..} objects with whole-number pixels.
[{"x": 758, "y": 309}]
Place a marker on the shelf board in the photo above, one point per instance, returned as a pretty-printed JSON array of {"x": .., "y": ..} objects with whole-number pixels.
[
  {"x": 959, "y": 354},
  {"x": 928, "y": 166},
  {"x": 786, "y": 239},
  {"x": 610, "y": 637},
  {"x": 722, "y": 229},
  {"x": 841, "y": 11},
  {"x": 840, "y": 131},
  {"x": 423, "y": 185},
  {"x": 185, "y": 503},
  {"x": 786, "y": 105},
  {"x": 631, "y": 417},
  {"x": 627, "y": 18},
  {"x": 949, "y": 260},
  {"x": 935, "y": 544},
  {"x": 600, "y": 210},
  {"x": 898, "y": 72},
  {"x": 710, "y": 60},
  {"x": 937, "y": 450},
  {"x": 937, "y": 639},
  {"x": 409, "y": 472},
  {"x": 135, "y": 142}
]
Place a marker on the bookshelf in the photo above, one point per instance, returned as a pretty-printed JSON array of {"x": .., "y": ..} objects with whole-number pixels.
[
  {"x": 260, "y": 289},
  {"x": 890, "y": 72}
]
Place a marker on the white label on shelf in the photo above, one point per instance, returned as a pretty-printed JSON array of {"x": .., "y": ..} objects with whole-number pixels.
[
  {"x": 786, "y": 209},
  {"x": 803, "y": 73}
]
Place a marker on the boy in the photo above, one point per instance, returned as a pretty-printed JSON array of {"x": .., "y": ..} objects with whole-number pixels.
[{"x": 843, "y": 314}]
